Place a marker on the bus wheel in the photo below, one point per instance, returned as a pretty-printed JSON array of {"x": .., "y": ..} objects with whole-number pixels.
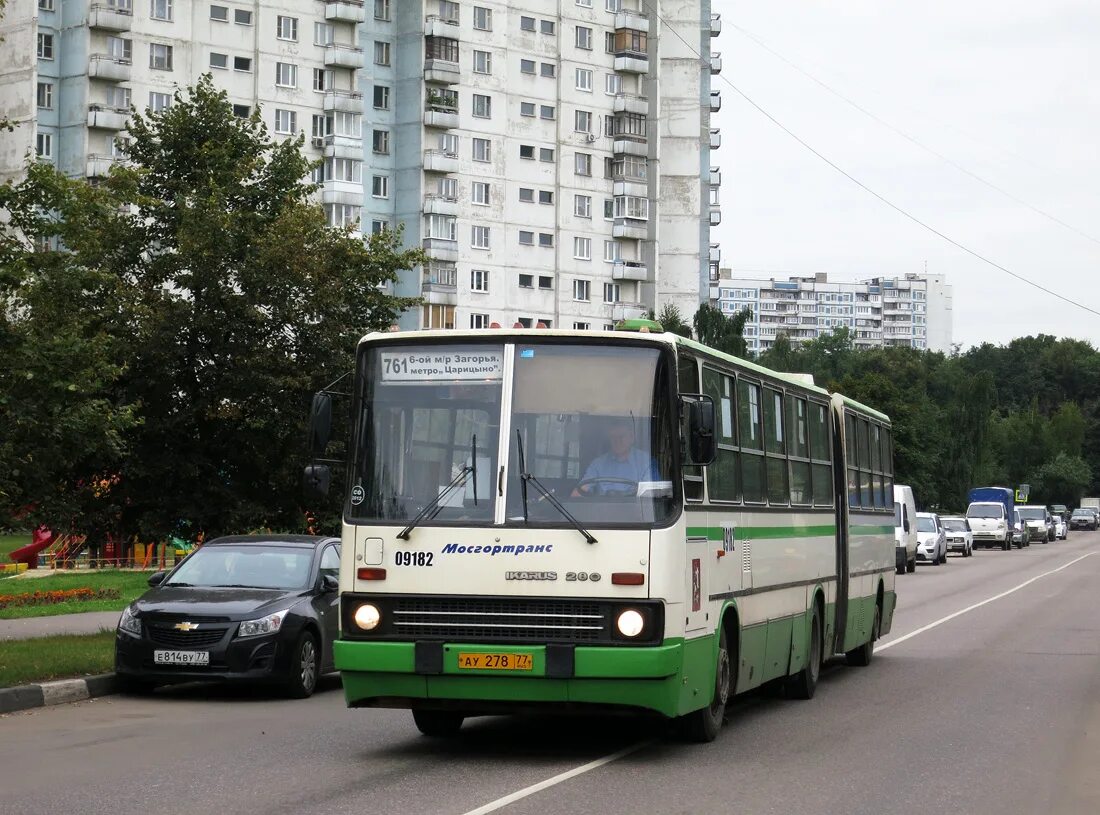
[
  {"x": 861, "y": 656},
  {"x": 803, "y": 684},
  {"x": 438, "y": 723},
  {"x": 703, "y": 725}
]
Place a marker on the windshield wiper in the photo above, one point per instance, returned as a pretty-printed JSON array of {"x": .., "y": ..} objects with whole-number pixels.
[
  {"x": 526, "y": 477},
  {"x": 432, "y": 508}
]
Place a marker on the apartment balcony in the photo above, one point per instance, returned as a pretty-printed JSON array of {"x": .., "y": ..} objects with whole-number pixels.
[
  {"x": 342, "y": 146},
  {"x": 715, "y": 101},
  {"x": 633, "y": 20},
  {"x": 342, "y": 102},
  {"x": 627, "y": 311},
  {"x": 715, "y": 24},
  {"x": 632, "y": 62},
  {"x": 99, "y": 166},
  {"x": 110, "y": 18},
  {"x": 716, "y": 176},
  {"x": 436, "y": 26},
  {"x": 343, "y": 56},
  {"x": 630, "y": 270},
  {"x": 630, "y": 228},
  {"x": 715, "y": 216},
  {"x": 442, "y": 72},
  {"x": 345, "y": 11},
  {"x": 103, "y": 66},
  {"x": 441, "y": 116},
  {"x": 436, "y": 161},
  {"x": 107, "y": 118},
  {"x": 715, "y": 253},
  {"x": 715, "y": 62},
  {"x": 630, "y": 146},
  {"x": 440, "y": 284},
  {"x": 630, "y": 186},
  {"x": 630, "y": 103},
  {"x": 435, "y": 204},
  {"x": 715, "y": 138},
  {"x": 441, "y": 249},
  {"x": 342, "y": 192}
]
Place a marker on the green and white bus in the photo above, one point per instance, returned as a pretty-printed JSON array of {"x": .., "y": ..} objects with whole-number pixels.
[{"x": 572, "y": 520}]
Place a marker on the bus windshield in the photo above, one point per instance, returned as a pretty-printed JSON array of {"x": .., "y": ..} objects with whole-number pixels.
[{"x": 594, "y": 424}]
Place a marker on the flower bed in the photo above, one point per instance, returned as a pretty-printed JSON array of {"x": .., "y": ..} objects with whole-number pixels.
[{"x": 49, "y": 598}]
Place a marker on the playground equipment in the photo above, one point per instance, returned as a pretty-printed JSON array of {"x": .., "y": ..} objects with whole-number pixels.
[{"x": 41, "y": 538}]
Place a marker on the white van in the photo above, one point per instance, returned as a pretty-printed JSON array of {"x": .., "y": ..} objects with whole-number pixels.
[{"x": 905, "y": 529}]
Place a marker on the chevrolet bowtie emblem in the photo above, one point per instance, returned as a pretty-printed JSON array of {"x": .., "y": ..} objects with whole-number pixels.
[{"x": 185, "y": 626}]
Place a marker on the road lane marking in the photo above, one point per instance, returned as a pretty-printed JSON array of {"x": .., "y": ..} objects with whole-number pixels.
[
  {"x": 960, "y": 612},
  {"x": 511, "y": 798}
]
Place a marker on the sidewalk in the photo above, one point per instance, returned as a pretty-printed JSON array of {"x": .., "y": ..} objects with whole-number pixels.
[{"x": 88, "y": 622}]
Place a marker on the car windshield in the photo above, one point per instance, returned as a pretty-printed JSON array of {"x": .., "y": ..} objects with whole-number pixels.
[
  {"x": 1082, "y": 513},
  {"x": 925, "y": 524},
  {"x": 955, "y": 524},
  {"x": 1033, "y": 513},
  {"x": 254, "y": 566},
  {"x": 985, "y": 511}
]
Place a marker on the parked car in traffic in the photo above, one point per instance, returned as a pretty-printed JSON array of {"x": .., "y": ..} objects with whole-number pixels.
[
  {"x": 905, "y": 529},
  {"x": 958, "y": 535},
  {"x": 1020, "y": 536},
  {"x": 1083, "y": 518},
  {"x": 989, "y": 523},
  {"x": 1040, "y": 524},
  {"x": 932, "y": 542},
  {"x": 262, "y": 608}
]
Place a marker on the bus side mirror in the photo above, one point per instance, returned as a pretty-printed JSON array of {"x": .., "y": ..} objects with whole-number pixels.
[
  {"x": 905, "y": 524},
  {"x": 318, "y": 478},
  {"x": 702, "y": 443},
  {"x": 320, "y": 423}
]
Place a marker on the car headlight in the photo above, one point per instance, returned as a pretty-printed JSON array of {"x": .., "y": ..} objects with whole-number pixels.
[
  {"x": 630, "y": 623},
  {"x": 129, "y": 623},
  {"x": 367, "y": 617},
  {"x": 264, "y": 625}
]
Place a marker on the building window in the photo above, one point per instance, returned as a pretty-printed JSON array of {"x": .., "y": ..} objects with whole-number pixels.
[
  {"x": 381, "y": 97},
  {"x": 546, "y": 154},
  {"x": 323, "y": 79},
  {"x": 479, "y": 321},
  {"x": 382, "y": 10},
  {"x": 242, "y": 17},
  {"x": 43, "y": 145},
  {"x": 45, "y": 5},
  {"x": 286, "y": 121},
  {"x": 45, "y": 46},
  {"x": 526, "y": 238},
  {"x": 219, "y": 14},
  {"x": 483, "y": 62},
  {"x": 242, "y": 111},
  {"x": 526, "y": 108},
  {"x": 219, "y": 60},
  {"x": 479, "y": 193},
  {"x": 609, "y": 209},
  {"x": 584, "y": 80},
  {"x": 527, "y": 66},
  {"x": 342, "y": 215},
  {"x": 613, "y": 5},
  {"x": 527, "y": 281},
  {"x": 611, "y": 292},
  {"x": 448, "y": 143},
  {"x": 547, "y": 112},
  {"x": 479, "y": 237},
  {"x": 612, "y": 84},
  {"x": 581, "y": 326},
  {"x": 286, "y": 75},
  {"x": 482, "y": 149},
  {"x": 546, "y": 197},
  {"x": 381, "y": 53},
  {"x": 546, "y": 240},
  {"x": 160, "y": 9},
  {"x": 159, "y": 102},
  {"x": 584, "y": 3},
  {"x": 443, "y": 227},
  {"x": 160, "y": 56},
  {"x": 547, "y": 27},
  {"x": 439, "y": 316},
  {"x": 527, "y": 151},
  {"x": 527, "y": 23},
  {"x": 612, "y": 251},
  {"x": 546, "y": 282},
  {"x": 479, "y": 281},
  {"x": 118, "y": 97},
  {"x": 582, "y": 121},
  {"x": 483, "y": 19},
  {"x": 242, "y": 64},
  {"x": 443, "y": 48},
  {"x": 45, "y": 95},
  {"x": 583, "y": 38},
  {"x": 582, "y": 164},
  {"x": 287, "y": 28},
  {"x": 380, "y": 142},
  {"x": 582, "y": 206},
  {"x": 581, "y": 291},
  {"x": 609, "y": 42},
  {"x": 324, "y": 34},
  {"x": 448, "y": 188},
  {"x": 380, "y": 186},
  {"x": 548, "y": 70},
  {"x": 582, "y": 248},
  {"x": 378, "y": 227},
  {"x": 483, "y": 106},
  {"x": 526, "y": 195}
]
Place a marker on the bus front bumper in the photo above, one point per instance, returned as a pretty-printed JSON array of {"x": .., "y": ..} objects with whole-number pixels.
[{"x": 405, "y": 675}]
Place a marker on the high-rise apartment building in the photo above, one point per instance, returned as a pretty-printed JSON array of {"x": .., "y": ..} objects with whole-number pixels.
[
  {"x": 553, "y": 160},
  {"x": 914, "y": 310}
]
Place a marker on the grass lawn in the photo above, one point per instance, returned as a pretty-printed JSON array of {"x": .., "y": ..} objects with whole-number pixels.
[
  {"x": 130, "y": 585},
  {"x": 9, "y": 543},
  {"x": 57, "y": 657}
]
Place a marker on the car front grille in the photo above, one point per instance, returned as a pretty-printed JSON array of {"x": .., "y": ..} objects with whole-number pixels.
[{"x": 165, "y": 634}]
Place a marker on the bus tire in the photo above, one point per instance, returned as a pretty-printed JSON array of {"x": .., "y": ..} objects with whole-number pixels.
[
  {"x": 438, "y": 724},
  {"x": 861, "y": 657},
  {"x": 803, "y": 684},
  {"x": 703, "y": 725}
]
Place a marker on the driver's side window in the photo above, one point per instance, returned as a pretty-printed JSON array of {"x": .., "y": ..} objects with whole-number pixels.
[{"x": 330, "y": 561}]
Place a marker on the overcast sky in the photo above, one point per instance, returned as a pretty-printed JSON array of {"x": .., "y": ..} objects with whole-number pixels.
[{"x": 1009, "y": 90}]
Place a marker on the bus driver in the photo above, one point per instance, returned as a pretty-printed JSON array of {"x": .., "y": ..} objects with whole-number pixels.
[{"x": 619, "y": 469}]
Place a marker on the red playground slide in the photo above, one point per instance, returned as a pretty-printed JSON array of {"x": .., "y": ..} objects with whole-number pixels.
[{"x": 41, "y": 538}]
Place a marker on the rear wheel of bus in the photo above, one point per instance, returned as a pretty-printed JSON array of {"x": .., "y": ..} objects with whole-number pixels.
[{"x": 438, "y": 723}]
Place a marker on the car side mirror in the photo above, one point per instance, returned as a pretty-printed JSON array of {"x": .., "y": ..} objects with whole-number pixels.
[
  {"x": 156, "y": 578},
  {"x": 320, "y": 423},
  {"x": 317, "y": 480},
  {"x": 329, "y": 583},
  {"x": 905, "y": 524},
  {"x": 702, "y": 442}
]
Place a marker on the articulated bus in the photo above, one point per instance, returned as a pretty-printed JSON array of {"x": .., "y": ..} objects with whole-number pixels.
[{"x": 581, "y": 521}]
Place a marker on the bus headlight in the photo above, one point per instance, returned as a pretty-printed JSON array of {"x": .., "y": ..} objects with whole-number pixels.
[
  {"x": 367, "y": 617},
  {"x": 630, "y": 623}
]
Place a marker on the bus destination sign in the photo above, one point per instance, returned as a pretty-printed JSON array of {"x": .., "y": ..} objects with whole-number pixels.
[{"x": 429, "y": 365}]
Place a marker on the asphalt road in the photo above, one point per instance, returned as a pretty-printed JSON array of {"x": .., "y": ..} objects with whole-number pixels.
[{"x": 993, "y": 710}]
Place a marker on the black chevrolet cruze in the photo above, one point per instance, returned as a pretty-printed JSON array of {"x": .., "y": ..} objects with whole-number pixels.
[{"x": 259, "y": 608}]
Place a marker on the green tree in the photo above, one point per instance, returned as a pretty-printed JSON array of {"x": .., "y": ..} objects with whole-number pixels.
[
  {"x": 1063, "y": 479},
  {"x": 673, "y": 320},
  {"x": 1067, "y": 429},
  {"x": 721, "y": 332}
]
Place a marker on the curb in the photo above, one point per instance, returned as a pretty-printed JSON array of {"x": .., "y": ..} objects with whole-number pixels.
[{"x": 24, "y": 697}]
